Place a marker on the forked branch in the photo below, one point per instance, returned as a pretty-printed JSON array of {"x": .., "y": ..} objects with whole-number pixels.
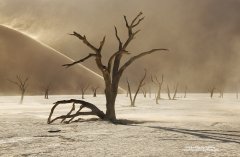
[
  {"x": 85, "y": 41},
  {"x": 140, "y": 85}
]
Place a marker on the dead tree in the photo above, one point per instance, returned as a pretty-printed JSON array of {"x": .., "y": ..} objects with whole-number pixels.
[
  {"x": 113, "y": 70},
  {"x": 221, "y": 93},
  {"x": 237, "y": 93},
  {"x": 83, "y": 90},
  {"x": 159, "y": 84},
  {"x": 169, "y": 93},
  {"x": 174, "y": 94},
  {"x": 211, "y": 91},
  {"x": 22, "y": 85},
  {"x": 144, "y": 92},
  {"x": 140, "y": 85},
  {"x": 94, "y": 90},
  {"x": 185, "y": 92},
  {"x": 150, "y": 91},
  {"x": 46, "y": 90}
]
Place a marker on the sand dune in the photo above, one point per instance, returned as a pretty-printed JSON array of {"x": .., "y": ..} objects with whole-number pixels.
[{"x": 22, "y": 55}]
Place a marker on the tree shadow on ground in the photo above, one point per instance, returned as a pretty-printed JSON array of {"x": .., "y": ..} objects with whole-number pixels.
[
  {"x": 220, "y": 135},
  {"x": 117, "y": 122}
]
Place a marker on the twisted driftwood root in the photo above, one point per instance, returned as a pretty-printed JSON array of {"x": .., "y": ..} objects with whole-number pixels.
[{"x": 71, "y": 115}]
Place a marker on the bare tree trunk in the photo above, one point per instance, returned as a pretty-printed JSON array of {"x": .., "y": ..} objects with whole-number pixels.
[
  {"x": 221, "y": 93},
  {"x": 144, "y": 93},
  {"x": 159, "y": 84},
  {"x": 22, "y": 96},
  {"x": 169, "y": 94},
  {"x": 185, "y": 92},
  {"x": 46, "y": 90},
  {"x": 175, "y": 92},
  {"x": 84, "y": 89},
  {"x": 150, "y": 92},
  {"x": 46, "y": 94},
  {"x": 110, "y": 105},
  {"x": 94, "y": 90},
  {"x": 211, "y": 90},
  {"x": 141, "y": 83}
]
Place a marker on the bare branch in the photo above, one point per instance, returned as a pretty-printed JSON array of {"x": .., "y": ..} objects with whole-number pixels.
[
  {"x": 118, "y": 38},
  {"x": 131, "y": 60},
  {"x": 101, "y": 44},
  {"x": 137, "y": 17},
  {"x": 93, "y": 108},
  {"x": 81, "y": 60},
  {"x": 126, "y": 21},
  {"x": 139, "y": 21},
  {"x": 13, "y": 82},
  {"x": 85, "y": 41}
]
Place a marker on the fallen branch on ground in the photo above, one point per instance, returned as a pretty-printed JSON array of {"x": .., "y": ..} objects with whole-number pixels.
[{"x": 71, "y": 115}]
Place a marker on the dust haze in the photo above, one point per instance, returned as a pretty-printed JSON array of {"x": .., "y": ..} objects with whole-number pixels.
[{"x": 202, "y": 36}]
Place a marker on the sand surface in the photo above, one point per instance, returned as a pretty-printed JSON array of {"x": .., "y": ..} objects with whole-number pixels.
[{"x": 192, "y": 126}]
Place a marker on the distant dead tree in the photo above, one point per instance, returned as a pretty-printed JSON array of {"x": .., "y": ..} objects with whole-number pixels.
[
  {"x": 22, "y": 85},
  {"x": 140, "y": 85},
  {"x": 185, "y": 91},
  {"x": 94, "y": 90},
  {"x": 159, "y": 84},
  {"x": 84, "y": 89},
  {"x": 144, "y": 92},
  {"x": 236, "y": 92},
  {"x": 113, "y": 70},
  {"x": 211, "y": 91},
  {"x": 127, "y": 94},
  {"x": 150, "y": 91},
  {"x": 46, "y": 90},
  {"x": 221, "y": 91},
  {"x": 174, "y": 94}
]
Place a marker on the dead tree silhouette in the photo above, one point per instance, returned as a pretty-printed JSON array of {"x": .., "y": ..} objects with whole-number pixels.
[
  {"x": 140, "y": 85},
  {"x": 112, "y": 72},
  {"x": 94, "y": 90},
  {"x": 46, "y": 90},
  {"x": 211, "y": 91},
  {"x": 159, "y": 84},
  {"x": 185, "y": 91},
  {"x": 22, "y": 85},
  {"x": 150, "y": 91},
  {"x": 144, "y": 92},
  {"x": 83, "y": 90},
  {"x": 221, "y": 92},
  {"x": 174, "y": 94},
  {"x": 236, "y": 90}
]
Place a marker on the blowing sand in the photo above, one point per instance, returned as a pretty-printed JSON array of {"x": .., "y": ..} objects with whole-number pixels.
[{"x": 192, "y": 126}]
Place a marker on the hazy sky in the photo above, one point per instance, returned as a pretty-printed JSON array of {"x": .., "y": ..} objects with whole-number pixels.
[{"x": 203, "y": 36}]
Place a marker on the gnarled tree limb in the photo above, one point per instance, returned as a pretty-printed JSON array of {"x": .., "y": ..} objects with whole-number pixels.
[{"x": 93, "y": 108}]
